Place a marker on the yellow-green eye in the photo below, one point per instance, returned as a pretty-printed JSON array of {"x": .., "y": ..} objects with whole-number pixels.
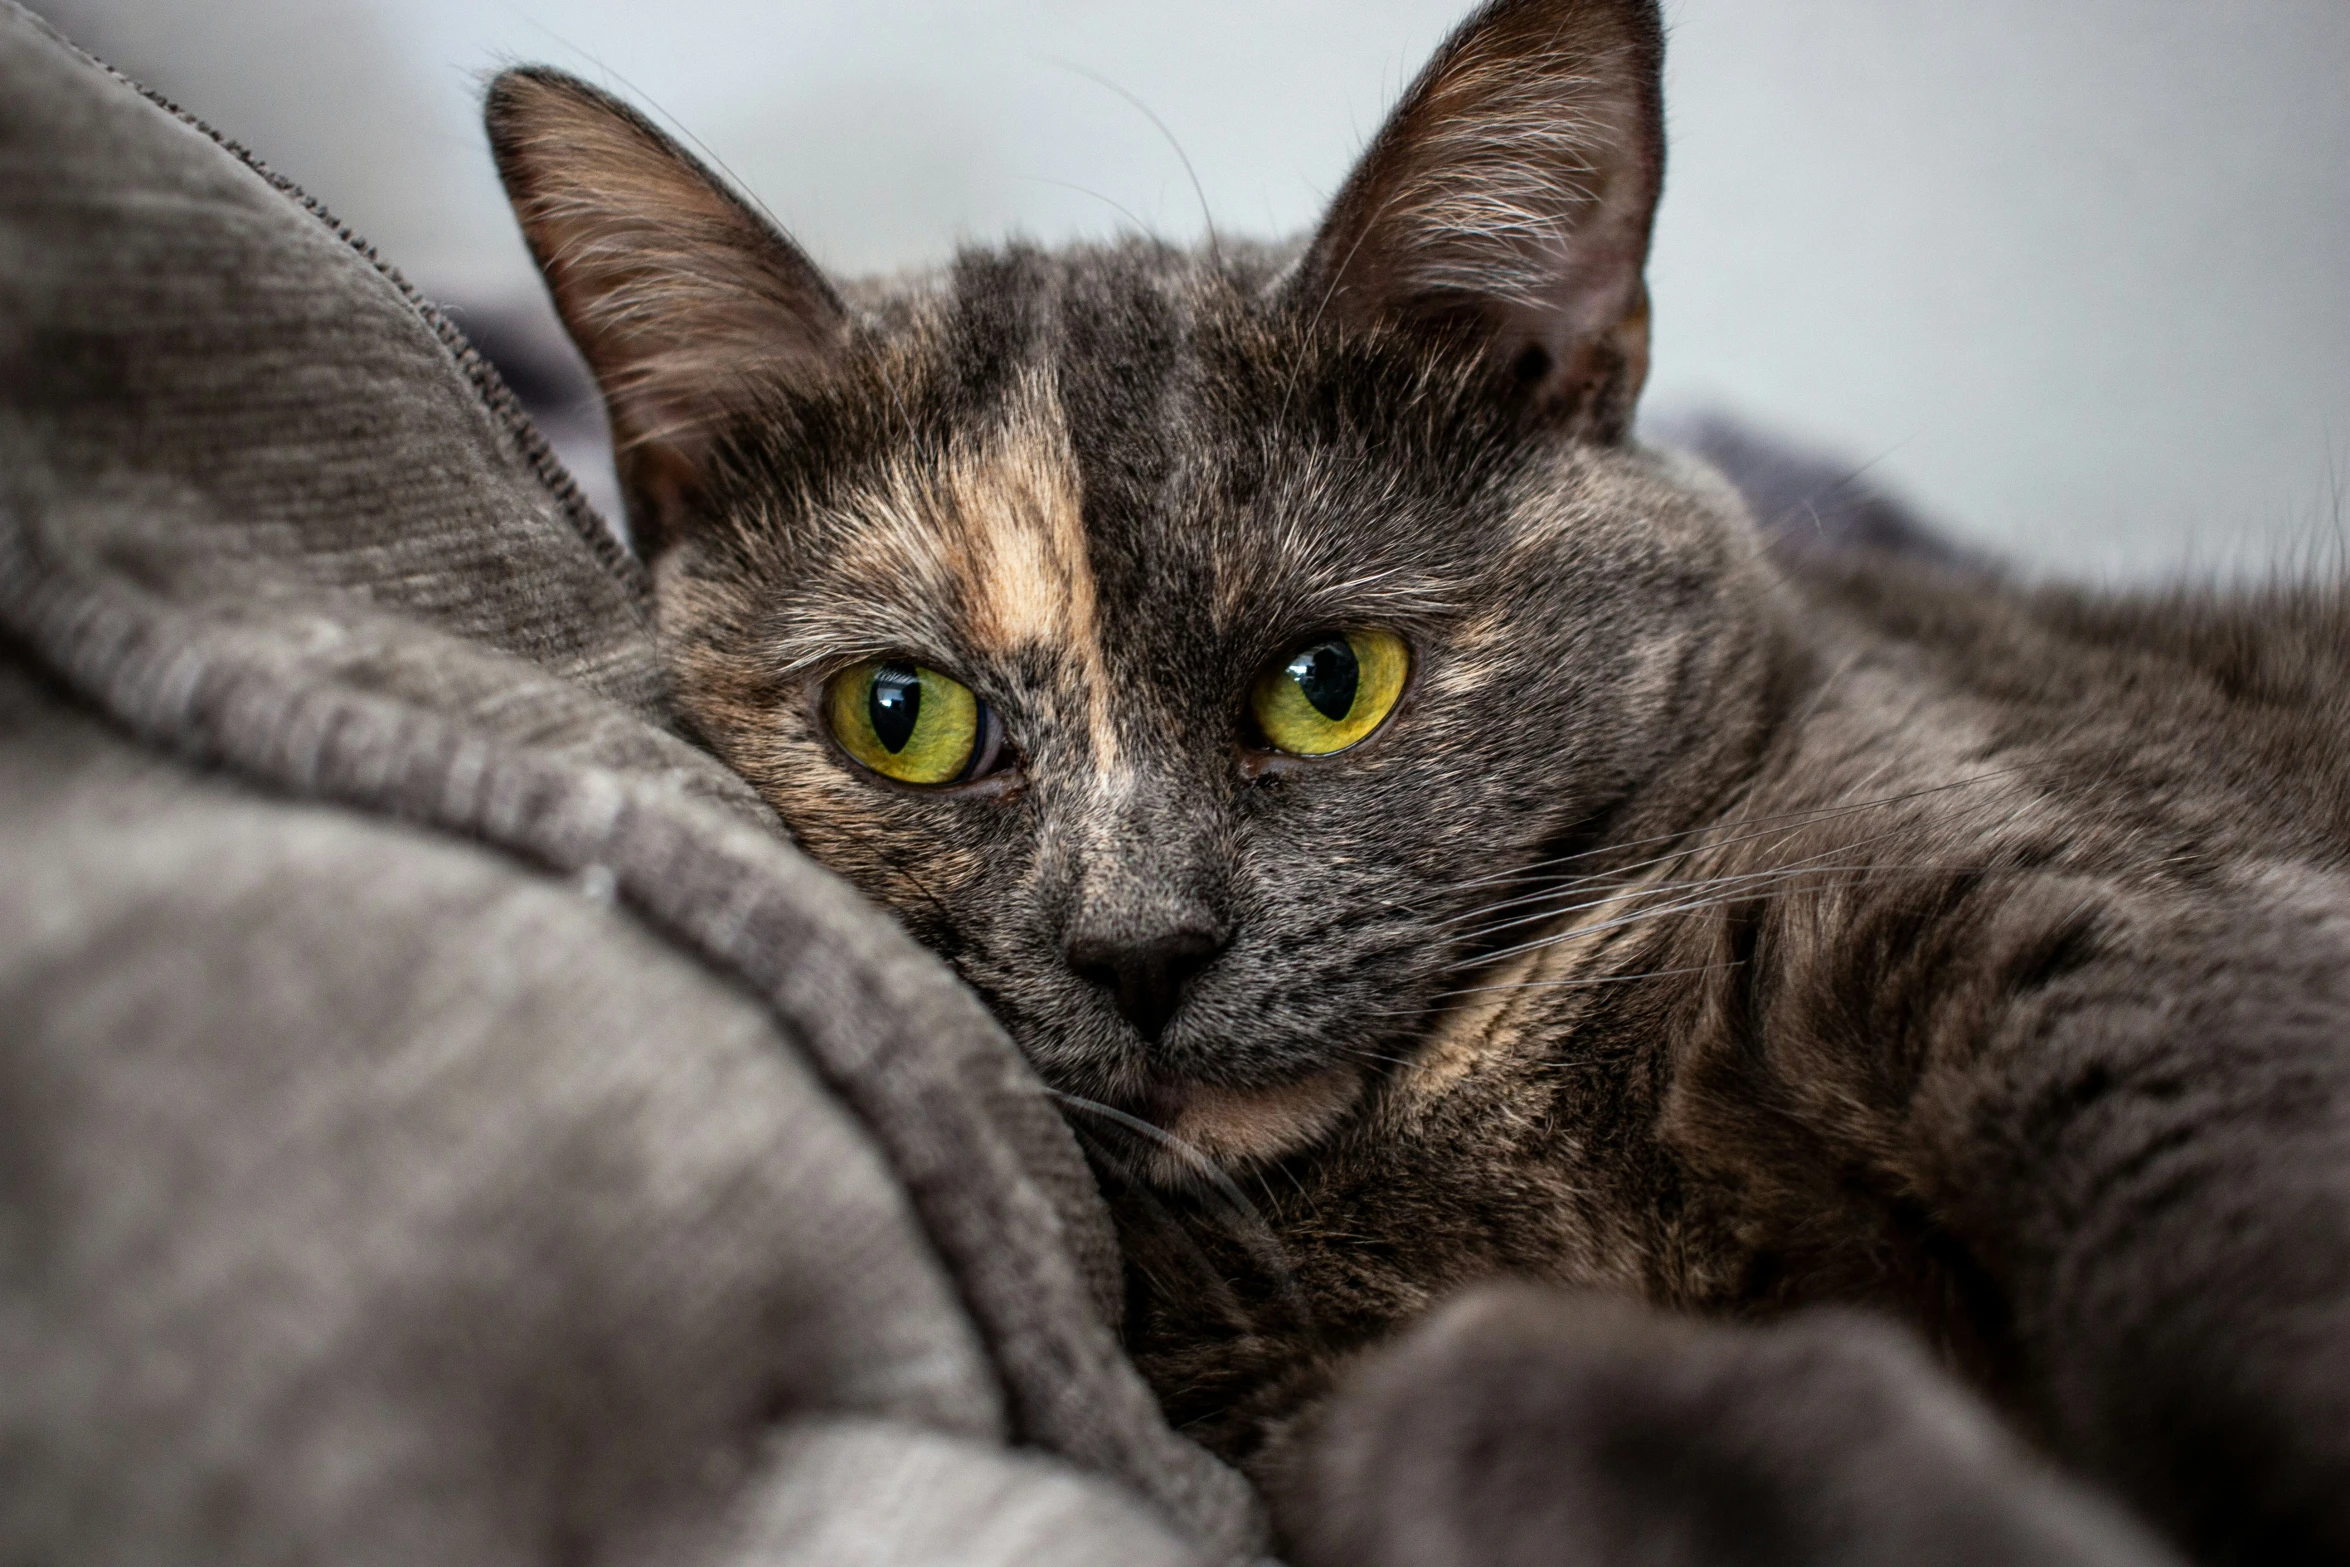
[
  {"x": 1330, "y": 693},
  {"x": 910, "y": 723}
]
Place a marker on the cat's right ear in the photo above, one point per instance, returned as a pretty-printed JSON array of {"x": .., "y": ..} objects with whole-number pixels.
[{"x": 682, "y": 299}]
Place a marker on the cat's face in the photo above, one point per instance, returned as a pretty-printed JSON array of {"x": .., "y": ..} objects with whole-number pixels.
[
  {"x": 1189, "y": 647},
  {"x": 1115, "y": 505}
]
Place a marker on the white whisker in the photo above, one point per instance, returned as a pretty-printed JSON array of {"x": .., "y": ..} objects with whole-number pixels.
[{"x": 1266, "y": 1244}]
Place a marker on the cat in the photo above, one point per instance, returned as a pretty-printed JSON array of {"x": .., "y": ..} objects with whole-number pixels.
[{"x": 1425, "y": 837}]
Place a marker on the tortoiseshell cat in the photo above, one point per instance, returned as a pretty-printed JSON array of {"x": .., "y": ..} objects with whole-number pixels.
[{"x": 1276, "y": 680}]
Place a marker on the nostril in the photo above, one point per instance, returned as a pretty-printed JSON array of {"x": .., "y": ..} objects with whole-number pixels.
[{"x": 1145, "y": 975}]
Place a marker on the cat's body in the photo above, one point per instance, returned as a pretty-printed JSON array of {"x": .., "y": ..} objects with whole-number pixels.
[
  {"x": 2001, "y": 869},
  {"x": 1728, "y": 933}
]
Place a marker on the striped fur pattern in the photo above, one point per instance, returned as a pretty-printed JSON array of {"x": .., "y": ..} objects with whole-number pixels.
[{"x": 1732, "y": 932}]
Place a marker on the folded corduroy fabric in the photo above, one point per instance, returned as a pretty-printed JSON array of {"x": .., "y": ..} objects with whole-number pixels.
[{"x": 441, "y": 1118}]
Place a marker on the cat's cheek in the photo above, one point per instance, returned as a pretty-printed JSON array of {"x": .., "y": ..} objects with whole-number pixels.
[{"x": 859, "y": 828}]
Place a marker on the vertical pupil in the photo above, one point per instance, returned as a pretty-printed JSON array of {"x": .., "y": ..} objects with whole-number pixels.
[
  {"x": 894, "y": 705},
  {"x": 1327, "y": 674}
]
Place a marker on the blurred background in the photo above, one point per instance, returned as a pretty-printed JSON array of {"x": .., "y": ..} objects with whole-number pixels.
[{"x": 2070, "y": 276}]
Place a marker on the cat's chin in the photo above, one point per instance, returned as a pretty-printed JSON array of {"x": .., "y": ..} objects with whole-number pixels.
[{"x": 1233, "y": 1128}]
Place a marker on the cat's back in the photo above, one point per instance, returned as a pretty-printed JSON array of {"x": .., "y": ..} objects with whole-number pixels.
[{"x": 2207, "y": 722}]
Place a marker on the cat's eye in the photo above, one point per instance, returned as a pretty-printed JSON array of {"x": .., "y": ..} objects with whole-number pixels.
[
  {"x": 912, "y": 724},
  {"x": 1331, "y": 692}
]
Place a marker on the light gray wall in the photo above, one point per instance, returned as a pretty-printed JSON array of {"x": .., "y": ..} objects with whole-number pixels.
[{"x": 2074, "y": 274}]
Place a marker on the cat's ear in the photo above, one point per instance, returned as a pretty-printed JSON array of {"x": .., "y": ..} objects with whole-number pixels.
[
  {"x": 1512, "y": 193},
  {"x": 682, "y": 299}
]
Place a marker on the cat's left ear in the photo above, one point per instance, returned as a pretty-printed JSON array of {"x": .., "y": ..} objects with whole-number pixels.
[
  {"x": 685, "y": 302},
  {"x": 1511, "y": 194}
]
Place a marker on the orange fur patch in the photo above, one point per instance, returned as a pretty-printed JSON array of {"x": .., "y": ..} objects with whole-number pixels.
[
  {"x": 1247, "y": 1126},
  {"x": 999, "y": 528}
]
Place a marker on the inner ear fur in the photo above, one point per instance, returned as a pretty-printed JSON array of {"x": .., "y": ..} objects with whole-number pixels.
[
  {"x": 681, "y": 298},
  {"x": 1513, "y": 191}
]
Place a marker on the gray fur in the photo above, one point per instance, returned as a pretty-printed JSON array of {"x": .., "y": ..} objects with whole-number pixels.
[{"x": 1521, "y": 1426}]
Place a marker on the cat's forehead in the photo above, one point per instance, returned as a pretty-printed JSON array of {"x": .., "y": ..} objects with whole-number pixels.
[
  {"x": 1053, "y": 442},
  {"x": 988, "y": 523}
]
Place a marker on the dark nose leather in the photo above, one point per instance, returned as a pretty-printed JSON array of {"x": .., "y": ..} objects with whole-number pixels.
[{"x": 1145, "y": 972}]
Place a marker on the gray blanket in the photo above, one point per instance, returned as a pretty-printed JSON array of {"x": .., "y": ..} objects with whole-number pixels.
[{"x": 441, "y": 1118}]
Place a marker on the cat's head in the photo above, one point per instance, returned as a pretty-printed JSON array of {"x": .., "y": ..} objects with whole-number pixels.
[{"x": 1187, "y": 644}]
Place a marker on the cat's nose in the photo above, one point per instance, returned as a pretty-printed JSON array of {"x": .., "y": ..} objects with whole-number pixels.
[{"x": 1145, "y": 971}]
